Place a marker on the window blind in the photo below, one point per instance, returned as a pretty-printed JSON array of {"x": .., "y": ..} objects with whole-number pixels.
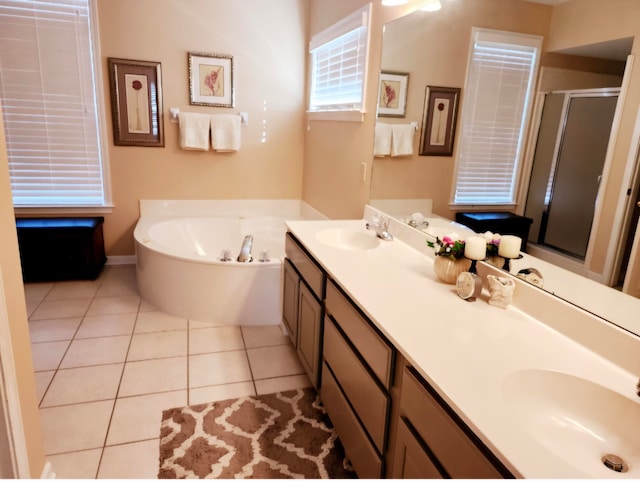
[
  {"x": 339, "y": 63},
  {"x": 500, "y": 78},
  {"x": 47, "y": 88}
]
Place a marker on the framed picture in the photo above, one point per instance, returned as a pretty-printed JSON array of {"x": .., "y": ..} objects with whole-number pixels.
[
  {"x": 439, "y": 122},
  {"x": 211, "y": 80},
  {"x": 392, "y": 97},
  {"x": 136, "y": 102}
]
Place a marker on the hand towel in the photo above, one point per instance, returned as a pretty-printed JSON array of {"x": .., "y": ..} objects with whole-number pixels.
[
  {"x": 402, "y": 140},
  {"x": 225, "y": 132},
  {"x": 382, "y": 140},
  {"x": 194, "y": 131}
]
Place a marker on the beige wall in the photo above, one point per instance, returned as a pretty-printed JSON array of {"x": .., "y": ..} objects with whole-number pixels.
[
  {"x": 433, "y": 48},
  {"x": 17, "y": 314},
  {"x": 267, "y": 40}
]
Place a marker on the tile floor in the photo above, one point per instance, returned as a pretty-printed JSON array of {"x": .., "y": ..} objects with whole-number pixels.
[{"x": 107, "y": 364}]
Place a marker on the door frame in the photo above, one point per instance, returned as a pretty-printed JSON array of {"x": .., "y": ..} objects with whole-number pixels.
[{"x": 9, "y": 394}]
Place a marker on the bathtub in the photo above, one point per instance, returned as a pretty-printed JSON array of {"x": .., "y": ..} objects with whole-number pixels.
[{"x": 179, "y": 265}]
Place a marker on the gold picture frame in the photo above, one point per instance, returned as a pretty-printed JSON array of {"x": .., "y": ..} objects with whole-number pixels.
[
  {"x": 211, "y": 80},
  {"x": 136, "y": 102},
  {"x": 392, "y": 96}
]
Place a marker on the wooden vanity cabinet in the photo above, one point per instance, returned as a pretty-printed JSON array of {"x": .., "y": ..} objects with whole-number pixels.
[
  {"x": 357, "y": 376},
  {"x": 431, "y": 440},
  {"x": 302, "y": 306}
]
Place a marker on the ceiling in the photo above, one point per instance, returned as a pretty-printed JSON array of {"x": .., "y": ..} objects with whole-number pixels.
[{"x": 617, "y": 49}]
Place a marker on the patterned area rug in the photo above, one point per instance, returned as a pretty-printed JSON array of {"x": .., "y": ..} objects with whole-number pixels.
[{"x": 281, "y": 435}]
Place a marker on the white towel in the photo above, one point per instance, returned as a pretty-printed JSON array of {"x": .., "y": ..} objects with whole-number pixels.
[
  {"x": 194, "y": 131},
  {"x": 382, "y": 140},
  {"x": 225, "y": 132},
  {"x": 402, "y": 143}
]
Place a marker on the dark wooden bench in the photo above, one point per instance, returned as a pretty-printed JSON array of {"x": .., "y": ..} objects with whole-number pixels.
[{"x": 53, "y": 249}]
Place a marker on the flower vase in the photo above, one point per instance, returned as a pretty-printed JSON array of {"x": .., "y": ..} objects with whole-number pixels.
[
  {"x": 497, "y": 261},
  {"x": 447, "y": 269}
]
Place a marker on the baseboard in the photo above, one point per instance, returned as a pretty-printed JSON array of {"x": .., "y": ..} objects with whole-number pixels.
[
  {"x": 47, "y": 471},
  {"x": 121, "y": 260}
]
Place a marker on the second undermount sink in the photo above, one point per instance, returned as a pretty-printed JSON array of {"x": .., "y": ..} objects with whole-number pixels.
[
  {"x": 583, "y": 423},
  {"x": 345, "y": 238}
]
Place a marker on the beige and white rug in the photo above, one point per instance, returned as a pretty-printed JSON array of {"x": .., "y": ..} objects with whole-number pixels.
[{"x": 280, "y": 435}]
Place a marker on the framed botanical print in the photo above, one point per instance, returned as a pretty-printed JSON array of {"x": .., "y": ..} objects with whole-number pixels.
[
  {"x": 211, "y": 80},
  {"x": 136, "y": 102},
  {"x": 439, "y": 123}
]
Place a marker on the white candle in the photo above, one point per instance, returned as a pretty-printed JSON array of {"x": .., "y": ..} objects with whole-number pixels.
[
  {"x": 509, "y": 246},
  {"x": 475, "y": 247}
]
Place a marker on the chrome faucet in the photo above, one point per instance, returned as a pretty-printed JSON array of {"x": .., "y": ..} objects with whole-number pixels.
[
  {"x": 380, "y": 225},
  {"x": 245, "y": 251},
  {"x": 414, "y": 224}
]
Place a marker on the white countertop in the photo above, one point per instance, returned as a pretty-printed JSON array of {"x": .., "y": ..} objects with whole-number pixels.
[{"x": 465, "y": 350}]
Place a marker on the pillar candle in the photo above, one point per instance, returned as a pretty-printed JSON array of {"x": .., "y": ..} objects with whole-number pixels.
[
  {"x": 509, "y": 246},
  {"x": 475, "y": 247}
]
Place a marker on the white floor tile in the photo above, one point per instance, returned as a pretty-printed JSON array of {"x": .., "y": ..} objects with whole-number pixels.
[
  {"x": 36, "y": 291},
  {"x": 76, "y": 465},
  {"x": 138, "y": 418},
  {"x": 96, "y": 351},
  {"x": 75, "y": 427},
  {"x": 153, "y": 321},
  {"x": 53, "y": 330},
  {"x": 144, "y": 307},
  {"x": 86, "y": 384},
  {"x": 32, "y": 306},
  {"x": 210, "y": 340},
  {"x": 152, "y": 376},
  {"x": 281, "y": 384},
  {"x": 221, "y": 392},
  {"x": 61, "y": 309},
  {"x": 274, "y": 361},
  {"x": 42, "y": 382},
  {"x": 47, "y": 356},
  {"x": 68, "y": 290},
  {"x": 114, "y": 304},
  {"x": 137, "y": 460},
  {"x": 106, "y": 325},
  {"x": 164, "y": 344},
  {"x": 218, "y": 368},
  {"x": 259, "y": 336}
]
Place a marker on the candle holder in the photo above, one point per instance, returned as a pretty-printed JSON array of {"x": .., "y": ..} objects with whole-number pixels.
[
  {"x": 473, "y": 268},
  {"x": 507, "y": 263}
]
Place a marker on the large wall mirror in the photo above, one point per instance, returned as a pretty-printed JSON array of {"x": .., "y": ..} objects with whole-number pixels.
[{"x": 432, "y": 48}]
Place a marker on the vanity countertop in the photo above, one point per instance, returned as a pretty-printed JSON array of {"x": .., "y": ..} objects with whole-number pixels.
[{"x": 472, "y": 353}]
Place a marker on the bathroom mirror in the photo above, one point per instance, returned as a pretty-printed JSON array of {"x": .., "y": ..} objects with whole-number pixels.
[{"x": 428, "y": 179}]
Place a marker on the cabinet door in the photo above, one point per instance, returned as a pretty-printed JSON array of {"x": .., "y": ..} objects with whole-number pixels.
[
  {"x": 309, "y": 333},
  {"x": 290, "y": 301},
  {"x": 411, "y": 460}
]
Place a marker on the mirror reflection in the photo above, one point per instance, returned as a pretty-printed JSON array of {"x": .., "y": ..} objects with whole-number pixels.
[{"x": 563, "y": 163}]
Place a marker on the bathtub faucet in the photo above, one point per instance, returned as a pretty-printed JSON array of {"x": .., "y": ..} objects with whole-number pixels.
[{"x": 245, "y": 251}]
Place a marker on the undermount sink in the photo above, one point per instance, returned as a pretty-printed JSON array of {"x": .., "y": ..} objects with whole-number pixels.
[
  {"x": 579, "y": 421},
  {"x": 348, "y": 238}
]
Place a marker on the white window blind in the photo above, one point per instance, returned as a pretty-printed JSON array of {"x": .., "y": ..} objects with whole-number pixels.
[
  {"x": 47, "y": 89},
  {"x": 339, "y": 63},
  {"x": 497, "y": 99}
]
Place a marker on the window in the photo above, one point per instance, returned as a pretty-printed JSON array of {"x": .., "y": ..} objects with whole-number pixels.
[
  {"x": 339, "y": 64},
  {"x": 496, "y": 103},
  {"x": 49, "y": 104}
]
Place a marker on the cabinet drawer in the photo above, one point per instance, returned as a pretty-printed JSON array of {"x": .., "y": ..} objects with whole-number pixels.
[
  {"x": 364, "y": 458},
  {"x": 368, "y": 400},
  {"x": 451, "y": 445},
  {"x": 306, "y": 266},
  {"x": 371, "y": 346}
]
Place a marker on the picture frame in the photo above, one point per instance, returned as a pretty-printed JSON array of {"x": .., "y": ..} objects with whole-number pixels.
[
  {"x": 392, "y": 94},
  {"x": 211, "y": 80},
  {"x": 439, "y": 121},
  {"x": 136, "y": 102}
]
